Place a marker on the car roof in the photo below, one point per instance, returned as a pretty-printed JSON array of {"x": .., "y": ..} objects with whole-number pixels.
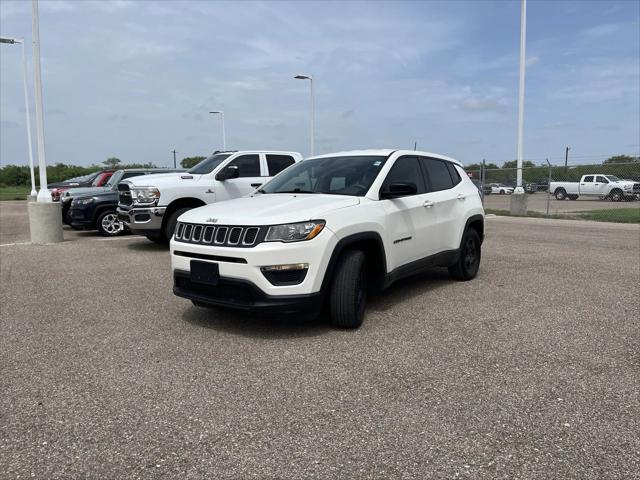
[{"x": 385, "y": 152}]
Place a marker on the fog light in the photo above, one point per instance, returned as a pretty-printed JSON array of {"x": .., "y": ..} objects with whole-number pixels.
[{"x": 289, "y": 274}]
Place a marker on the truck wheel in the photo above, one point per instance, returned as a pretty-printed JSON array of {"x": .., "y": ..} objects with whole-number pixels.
[
  {"x": 468, "y": 262},
  {"x": 156, "y": 239},
  {"x": 108, "y": 224},
  {"x": 170, "y": 226},
  {"x": 560, "y": 194},
  {"x": 572, "y": 197},
  {"x": 501, "y": 192},
  {"x": 616, "y": 196},
  {"x": 348, "y": 295}
]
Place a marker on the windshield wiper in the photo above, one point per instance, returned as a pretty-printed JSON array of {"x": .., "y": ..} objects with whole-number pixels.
[{"x": 297, "y": 190}]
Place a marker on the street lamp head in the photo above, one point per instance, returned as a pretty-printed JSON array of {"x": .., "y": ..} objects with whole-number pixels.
[
  {"x": 303, "y": 77},
  {"x": 10, "y": 40}
]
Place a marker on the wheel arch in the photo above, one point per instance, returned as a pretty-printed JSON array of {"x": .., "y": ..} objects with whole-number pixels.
[
  {"x": 477, "y": 223},
  {"x": 185, "y": 202},
  {"x": 371, "y": 244},
  {"x": 100, "y": 209}
]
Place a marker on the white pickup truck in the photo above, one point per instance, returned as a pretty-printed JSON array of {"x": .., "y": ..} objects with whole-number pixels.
[
  {"x": 150, "y": 205},
  {"x": 602, "y": 186}
]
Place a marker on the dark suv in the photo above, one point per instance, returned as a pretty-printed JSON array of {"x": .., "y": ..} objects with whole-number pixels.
[{"x": 95, "y": 208}]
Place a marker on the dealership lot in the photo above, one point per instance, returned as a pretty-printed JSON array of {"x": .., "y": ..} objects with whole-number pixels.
[
  {"x": 537, "y": 202},
  {"x": 530, "y": 371}
]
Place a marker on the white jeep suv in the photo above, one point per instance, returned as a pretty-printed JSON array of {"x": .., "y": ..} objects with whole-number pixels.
[{"x": 333, "y": 227}]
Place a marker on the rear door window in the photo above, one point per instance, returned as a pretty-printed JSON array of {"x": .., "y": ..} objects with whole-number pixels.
[
  {"x": 438, "y": 176},
  {"x": 277, "y": 163}
]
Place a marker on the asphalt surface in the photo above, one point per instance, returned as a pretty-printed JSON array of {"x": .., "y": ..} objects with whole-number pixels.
[
  {"x": 538, "y": 202},
  {"x": 530, "y": 371}
]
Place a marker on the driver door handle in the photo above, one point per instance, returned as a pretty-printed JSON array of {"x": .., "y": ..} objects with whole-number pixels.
[
  {"x": 428, "y": 204},
  {"x": 256, "y": 185}
]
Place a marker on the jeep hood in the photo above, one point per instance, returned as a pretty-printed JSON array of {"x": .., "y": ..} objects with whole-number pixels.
[
  {"x": 270, "y": 209},
  {"x": 160, "y": 180}
]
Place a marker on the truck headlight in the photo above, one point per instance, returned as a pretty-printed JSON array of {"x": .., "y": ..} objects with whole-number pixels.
[
  {"x": 82, "y": 201},
  {"x": 145, "y": 195},
  {"x": 627, "y": 187},
  {"x": 294, "y": 232}
]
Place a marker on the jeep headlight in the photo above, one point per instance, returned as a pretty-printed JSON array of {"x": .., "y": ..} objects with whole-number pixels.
[
  {"x": 82, "y": 201},
  {"x": 145, "y": 195},
  {"x": 294, "y": 232}
]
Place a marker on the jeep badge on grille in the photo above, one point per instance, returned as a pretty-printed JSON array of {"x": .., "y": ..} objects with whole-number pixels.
[{"x": 212, "y": 220}]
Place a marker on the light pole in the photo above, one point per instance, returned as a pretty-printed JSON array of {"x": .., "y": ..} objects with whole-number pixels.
[
  {"x": 313, "y": 113},
  {"x": 518, "y": 201},
  {"x": 26, "y": 107},
  {"x": 45, "y": 221},
  {"x": 224, "y": 134}
]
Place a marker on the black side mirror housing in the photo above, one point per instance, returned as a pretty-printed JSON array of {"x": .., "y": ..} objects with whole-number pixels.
[
  {"x": 397, "y": 190},
  {"x": 228, "y": 172}
]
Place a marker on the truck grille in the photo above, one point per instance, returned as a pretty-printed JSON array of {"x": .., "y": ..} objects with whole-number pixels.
[
  {"x": 219, "y": 235},
  {"x": 124, "y": 194},
  {"x": 636, "y": 188}
]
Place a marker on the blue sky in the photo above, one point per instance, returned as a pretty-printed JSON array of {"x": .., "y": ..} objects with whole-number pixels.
[{"x": 135, "y": 79}]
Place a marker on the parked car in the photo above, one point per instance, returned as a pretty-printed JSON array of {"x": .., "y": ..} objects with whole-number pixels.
[
  {"x": 331, "y": 228},
  {"x": 111, "y": 187},
  {"x": 500, "y": 189},
  {"x": 151, "y": 206},
  {"x": 95, "y": 179},
  {"x": 540, "y": 185},
  {"x": 596, "y": 185}
]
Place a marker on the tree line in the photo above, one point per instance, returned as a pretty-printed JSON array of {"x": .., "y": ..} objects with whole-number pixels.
[{"x": 18, "y": 175}]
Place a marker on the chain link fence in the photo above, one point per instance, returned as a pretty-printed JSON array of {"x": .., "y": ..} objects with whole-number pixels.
[{"x": 606, "y": 191}]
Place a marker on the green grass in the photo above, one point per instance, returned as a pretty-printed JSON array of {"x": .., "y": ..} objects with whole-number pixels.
[
  {"x": 616, "y": 215},
  {"x": 14, "y": 193},
  {"x": 619, "y": 215}
]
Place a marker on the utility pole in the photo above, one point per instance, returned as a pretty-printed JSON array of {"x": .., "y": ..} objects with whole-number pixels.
[
  {"x": 566, "y": 157},
  {"x": 174, "y": 158}
]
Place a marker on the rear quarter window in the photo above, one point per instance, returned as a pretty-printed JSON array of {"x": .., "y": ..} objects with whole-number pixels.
[{"x": 277, "y": 163}]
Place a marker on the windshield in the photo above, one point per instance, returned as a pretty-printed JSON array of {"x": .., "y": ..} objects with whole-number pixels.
[
  {"x": 115, "y": 179},
  {"x": 334, "y": 175},
  {"x": 209, "y": 164},
  {"x": 612, "y": 178}
]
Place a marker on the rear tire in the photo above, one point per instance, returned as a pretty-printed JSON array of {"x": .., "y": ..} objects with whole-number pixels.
[
  {"x": 348, "y": 295},
  {"x": 468, "y": 264},
  {"x": 560, "y": 194},
  {"x": 108, "y": 224},
  {"x": 170, "y": 226},
  {"x": 573, "y": 197}
]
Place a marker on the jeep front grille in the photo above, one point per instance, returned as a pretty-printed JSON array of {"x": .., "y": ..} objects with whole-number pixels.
[{"x": 219, "y": 235}]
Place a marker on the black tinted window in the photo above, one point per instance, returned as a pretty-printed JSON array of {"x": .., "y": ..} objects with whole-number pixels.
[
  {"x": 589, "y": 178},
  {"x": 277, "y": 163},
  {"x": 437, "y": 174},
  {"x": 453, "y": 171},
  {"x": 601, "y": 179},
  {"x": 406, "y": 170},
  {"x": 248, "y": 165}
]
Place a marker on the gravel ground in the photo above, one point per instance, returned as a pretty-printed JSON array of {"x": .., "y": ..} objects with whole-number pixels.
[{"x": 529, "y": 371}]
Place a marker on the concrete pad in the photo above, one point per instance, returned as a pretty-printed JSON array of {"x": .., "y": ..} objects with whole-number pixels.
[{"x": 45, "y": 222}]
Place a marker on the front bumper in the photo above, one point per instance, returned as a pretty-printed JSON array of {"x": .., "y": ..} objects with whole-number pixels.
[
  {"x": 243, "y": 264},
  {"x": 142, "y": 219},
  {"x": 243, "y": 295}
]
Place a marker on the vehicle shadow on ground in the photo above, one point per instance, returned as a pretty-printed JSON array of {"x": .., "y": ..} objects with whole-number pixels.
[
  {"x": 408, "y": 288},
  {"x": 145, "y": 245},
  {"x": 268, "y": 326}
]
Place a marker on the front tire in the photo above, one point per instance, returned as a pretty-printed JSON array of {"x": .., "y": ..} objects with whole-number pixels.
[
  {"x": 616, "y": 196},
  {"x": 560, "y": 194},
  {"x": 155, "y": 239},
  {"x": 172, "y": 221},
  {"x": 468, "y": 264},
  {"x": 348, "y": 296},
  {"x": 108, "y": 224}
]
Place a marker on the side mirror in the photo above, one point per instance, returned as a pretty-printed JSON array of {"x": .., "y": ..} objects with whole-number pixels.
[
  {"x": 228, "y": 172},
  {"x": 397, "y": 190}
]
